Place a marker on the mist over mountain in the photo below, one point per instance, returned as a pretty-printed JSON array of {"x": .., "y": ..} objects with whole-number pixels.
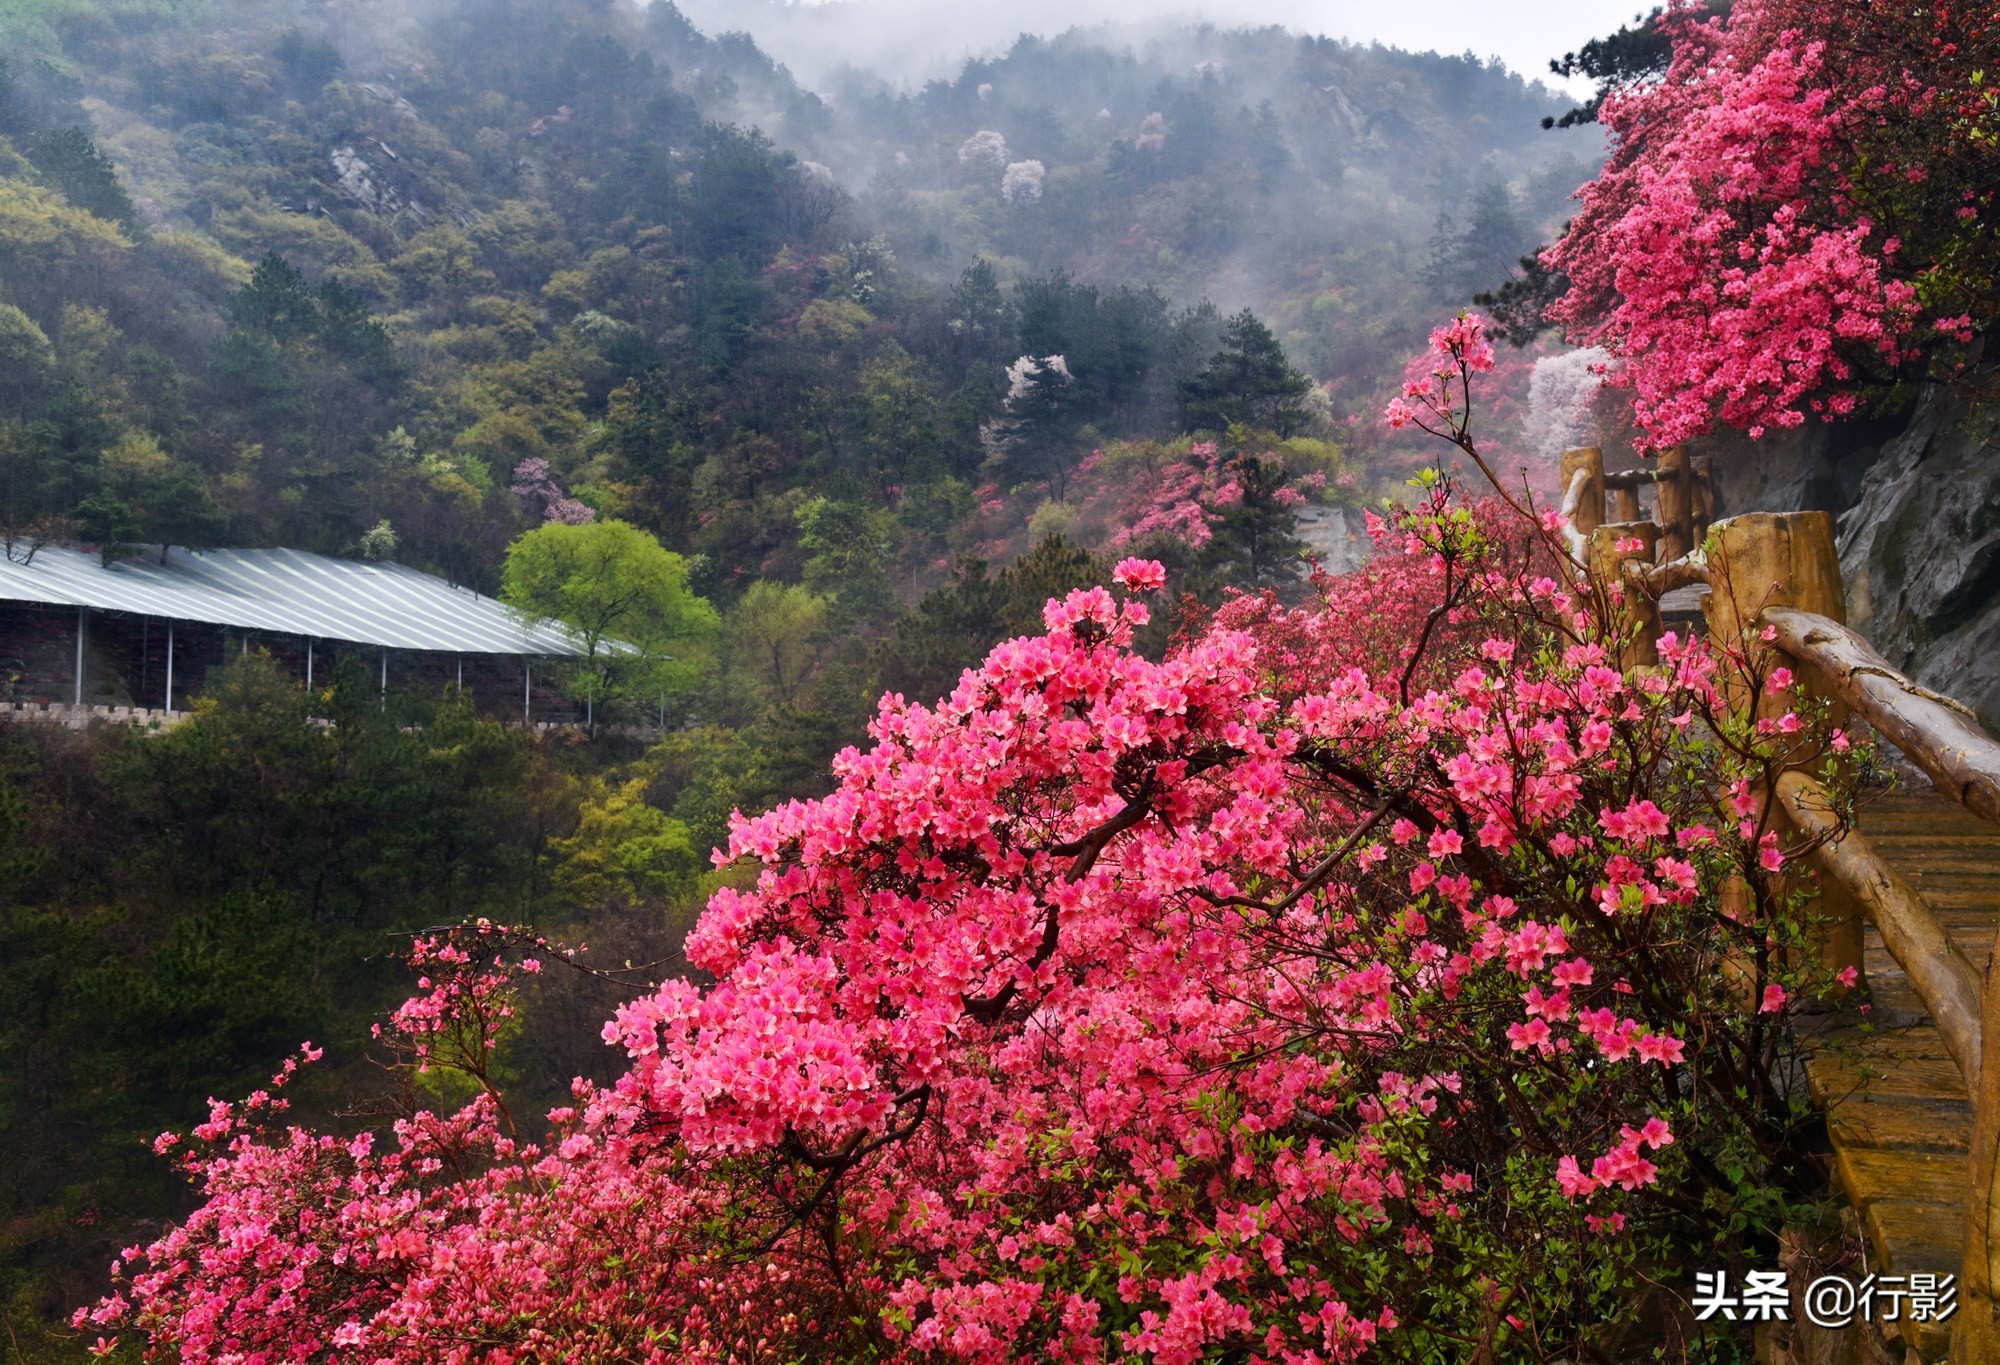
[
  {"x": 914, "y": 41},
  {"x": 1336, "y": 188}
]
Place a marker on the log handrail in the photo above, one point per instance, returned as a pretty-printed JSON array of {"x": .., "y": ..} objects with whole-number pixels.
[
  {"x": 1661, "y": 579},
  {"x": 1573, "y": 495},
  {"x": 1639, "y": 478},
  {"x": 1938, "y": 971},
  {"x": 1937, "y": 734},
  {"x": 1773, "y": 578},
  {"x": 1592, "y": 497}
]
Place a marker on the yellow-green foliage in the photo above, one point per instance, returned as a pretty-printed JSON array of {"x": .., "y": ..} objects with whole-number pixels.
[
  {"x": 776, "y": 634},
  {"x": 196, "y": 262},
  {"x": 41, "y": 231},
  {"x": 826, "y": 323},
  {"x": 34, "y": 26},
  {"x": 441, "y": 263},
  {"x": 317, "y": 245},
  {"x": 24, "y": 348},
  {"x": 624, "y": 851}
]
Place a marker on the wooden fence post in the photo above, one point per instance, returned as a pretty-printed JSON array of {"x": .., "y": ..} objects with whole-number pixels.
[
  {"x": 1634, "y": 611},
  {"x": 1779, "y": 559},
  {"x": 1673, "y": 503},
  {"x": 1625, "y": 503},
  {"x": 1590, "y": 510},
  {"x": 1975, "y": 1332},
  {"x": 1704, "y": 498},
  {"x": 1766, "y": 559}
]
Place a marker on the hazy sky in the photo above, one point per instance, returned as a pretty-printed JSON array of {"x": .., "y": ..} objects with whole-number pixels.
[{"x": 923, "y": 38}]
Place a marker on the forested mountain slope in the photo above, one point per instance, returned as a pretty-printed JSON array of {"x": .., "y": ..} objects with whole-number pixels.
[{"x": 281, "y": 275}]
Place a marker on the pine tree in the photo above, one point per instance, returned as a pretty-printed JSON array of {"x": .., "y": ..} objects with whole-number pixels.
[
  {"x": 1248, "y": 381},
  {"x": 70, "y": 164}
]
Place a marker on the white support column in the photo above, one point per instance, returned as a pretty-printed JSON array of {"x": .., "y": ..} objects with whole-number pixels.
[
  {"x": 309, "y": 663},
  {"x": 80, "y": 613},
  {"x": 459, "y": 659},
  {"x": 385, "y": 677},
  {"x": 170, "y": 667},
  {"x": 527, "y": 691}
]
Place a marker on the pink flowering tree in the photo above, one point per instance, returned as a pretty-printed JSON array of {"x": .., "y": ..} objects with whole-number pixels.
[
  {"x": 534, "y": 481},
  {"x": 1263, "y": 1001},
  {"x": 1798, "y": 210}
]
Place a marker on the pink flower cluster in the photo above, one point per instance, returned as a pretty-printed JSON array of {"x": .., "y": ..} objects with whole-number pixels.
[
  {"x": 533, "y": 480},
  {"x": 1439, "y": 400},
  {"x": 1112, "y": 1007},
  {"x": 1745, "y": 250}
]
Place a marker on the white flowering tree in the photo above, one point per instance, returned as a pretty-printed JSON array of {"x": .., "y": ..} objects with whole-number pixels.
[
  {"x": 1022, "y": 184},
  {"x": 985, "y": 150},
  {"x": 1560, "y": 395}
]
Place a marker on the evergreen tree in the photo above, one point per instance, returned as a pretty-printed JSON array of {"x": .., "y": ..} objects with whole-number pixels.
[
  {"x": 981, "y": 321},
  {"x": 13, "y": 116},
  {"x": 1247, "y": 382},
  {"x": 276, "y": 302},
  {"x": 1253, "y": 545},
  {"x": 1492, "y": 239},
  {"x": 1516, "y": 306},
  {"x": 179, "y": 510},
  {"x": 1632, "y": 53},
  {"x": 69, "y": 163}
]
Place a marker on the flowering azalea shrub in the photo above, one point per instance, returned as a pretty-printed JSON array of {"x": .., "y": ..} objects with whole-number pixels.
[
  {"x": 1248, "y": 1003},
  {"x": 1802, "y": 205},
  {"x": 1505, "y": 419}
]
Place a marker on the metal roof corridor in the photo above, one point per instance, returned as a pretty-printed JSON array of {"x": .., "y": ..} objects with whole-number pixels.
[{"x": 288, "y": 592}]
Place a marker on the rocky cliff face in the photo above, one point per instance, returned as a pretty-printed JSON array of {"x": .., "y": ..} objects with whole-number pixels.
[
  {"x": 1920, "y": 550},
  {"x": 1336, "y": 538},
  {"x": 1918, "y": 511}
]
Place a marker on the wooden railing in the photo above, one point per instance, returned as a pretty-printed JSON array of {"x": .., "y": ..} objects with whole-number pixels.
[
  {"x": 1774, "y": 583},
  {"x": 1683, "y": 498}
]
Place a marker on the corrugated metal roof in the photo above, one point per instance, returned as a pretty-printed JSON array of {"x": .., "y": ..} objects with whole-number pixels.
[{"x": 287, "y": 592}]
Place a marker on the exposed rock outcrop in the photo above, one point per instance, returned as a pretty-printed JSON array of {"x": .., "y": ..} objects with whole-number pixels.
[
  {"x": 1920, "y": 550},
  {"x": 1816, "y": 467},
  {"x": 1335, "y": 537},
  {"x": 358, "y": 178},
  {"x": 1918, "y": 509}
]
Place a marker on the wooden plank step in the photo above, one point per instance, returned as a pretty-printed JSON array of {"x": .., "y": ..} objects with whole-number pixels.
[
  {"x": 1958, "y": 909},
  {"x": 1914, "y": 1236},
  {"x": 1886, "y": 1070},
  {"x": 1896, "y": 1105},
  {"x": 1918, "y": 1124},
  {"x": 1877, "y": 1174}
]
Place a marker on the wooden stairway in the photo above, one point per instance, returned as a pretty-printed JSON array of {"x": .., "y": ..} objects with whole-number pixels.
[{"x": 1897, "y": 1107}]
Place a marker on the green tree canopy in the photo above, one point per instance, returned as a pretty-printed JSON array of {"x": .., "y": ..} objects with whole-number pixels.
[
  {"x": 777, "y": 635},
  {"x": 1248, "y": 381},
  {"x": 622, "y": 597},
  {"x": 70, "y": 163}
]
